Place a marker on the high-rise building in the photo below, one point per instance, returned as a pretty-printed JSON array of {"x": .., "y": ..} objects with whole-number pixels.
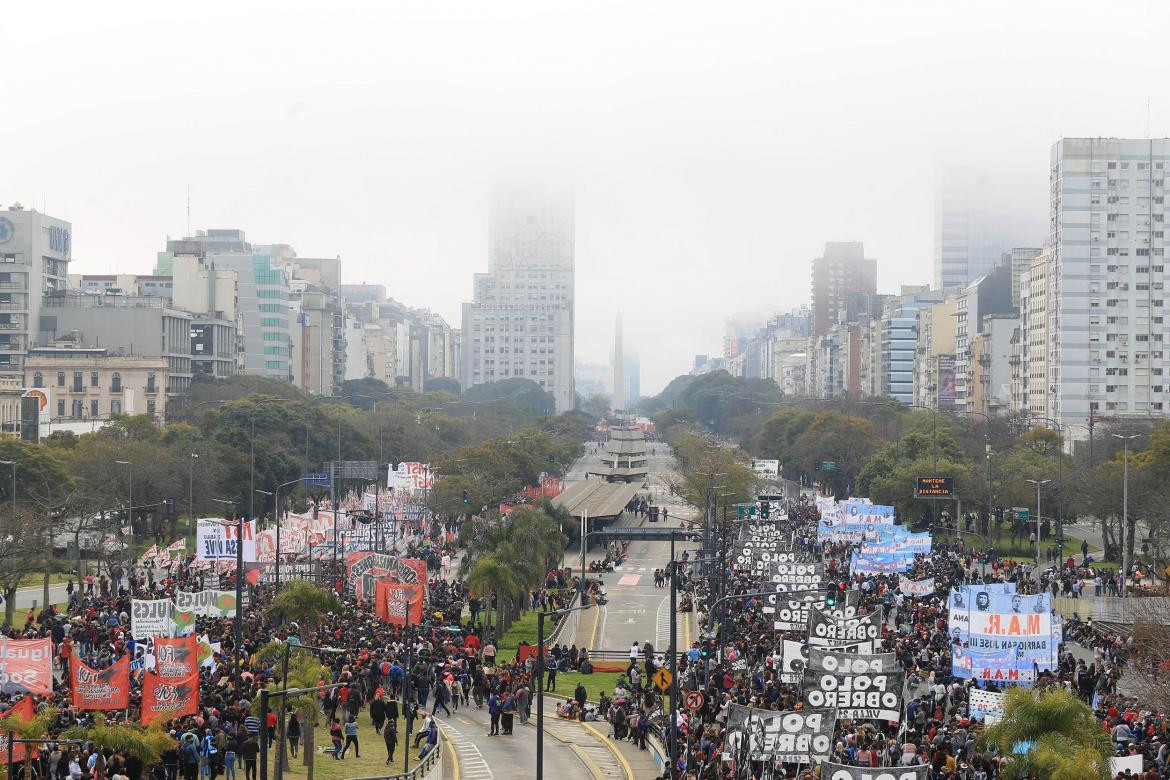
[
  {"x": 1107, "y": 321},
  {"x": 1020, "y": 259},
  {"x": 843, "y": 271},
  {"x": 975, "y": 223},
  {"x": 519, "y": 323},
  {"x": 35, "y": 250},
  {"x": 989, "y": 294}
]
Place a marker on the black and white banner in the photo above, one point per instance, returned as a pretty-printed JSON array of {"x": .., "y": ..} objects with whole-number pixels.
[
  {"x": 790, "y": 609},
  {"x": 793, "y": 661},
  {"x": 804, "y": 737},
  {"x": 830, "y": 771},
  {"x": 867, "y": 696},
  {"x": 826, "y": 631},
  {"x": 795, "y": 576},
  {"x": 840, "y": 663}
]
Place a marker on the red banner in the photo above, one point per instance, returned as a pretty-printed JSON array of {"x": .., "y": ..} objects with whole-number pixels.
[
  {"x": 366, "y": 569},
  {"x": 176, "y": 659},
  {"x": 524, "y": 652},
  {"x": 168, "y": 699},
  {"x": 392, "y": 598},
  {"x": 23, "y": 708},
  {"x": 26, "y": 666},
  {"x": 104, "y": 689}
]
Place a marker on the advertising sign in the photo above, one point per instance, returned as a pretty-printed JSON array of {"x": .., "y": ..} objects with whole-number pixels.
[{"x": 946, "y": 381}]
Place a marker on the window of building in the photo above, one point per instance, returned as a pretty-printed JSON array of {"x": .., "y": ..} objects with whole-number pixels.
[
  {"x": 93, "y": 379},
  {"x": 60, "y": 379},
  {"x": 115, "y": 407},
  {"x": 150, "y": 406},
  {"x": 151, "y": 386},
  {"x": 116, "y": 383},
  {"x": 38, "y": 379},
  {"x": 78, "y": 386},
  {"x": 60, "y": 407}
]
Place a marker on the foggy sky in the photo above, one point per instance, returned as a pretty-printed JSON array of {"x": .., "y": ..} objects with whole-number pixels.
[{"x": 713, "y": 147}]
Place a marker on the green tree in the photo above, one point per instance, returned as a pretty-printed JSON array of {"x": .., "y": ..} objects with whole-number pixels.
[
  {"x": 302, "y": 602},
  {"x": 145, "y": 744},
  {"x": 492, "y": 576},
  {"x": 1066, "y": 740},
  {"x": 304, "y": 671}
]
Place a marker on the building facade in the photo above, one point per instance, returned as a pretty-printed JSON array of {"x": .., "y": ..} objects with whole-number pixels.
[
  {"x": 92, "y": 383},
  {"x": 1107, "y": 322},
  {"x": 520, "y": 322},
  {"x": 843, "y": 270},
  {"x": 35, "y": 250}
]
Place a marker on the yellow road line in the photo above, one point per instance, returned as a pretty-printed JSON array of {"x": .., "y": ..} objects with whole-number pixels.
[
  {"x": 612, "y": 749},
  {"x": 454, "y": 758}
]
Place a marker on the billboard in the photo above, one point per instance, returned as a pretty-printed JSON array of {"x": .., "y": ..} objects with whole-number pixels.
[
  {"x": 768, "y": 469},
  {"x": 946, "y": 381},
  {"x": 934, "y": 487}
]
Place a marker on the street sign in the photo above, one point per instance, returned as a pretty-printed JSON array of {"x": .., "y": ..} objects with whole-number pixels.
[
  {"x": 318, "y": 478},
  {"x": 1022, "y": 512},
  {"x": 355, "y": 469},
  {"x": 694, "y": 700},
  {"x": 828, "y": 465},
  {"x": 934, "y": 487},
  {"x": 662, "y": 679}
]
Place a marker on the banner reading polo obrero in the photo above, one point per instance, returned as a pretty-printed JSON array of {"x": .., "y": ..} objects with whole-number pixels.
[
  {"x": 830, "y": 771},
  {"x": 789, "y": 609},
  {"x": 23, "y": 709},
  {"x": 794, "y": 576},
  {"x": 215, "y": 540},
  {"x": 101, "y": 689},
  {"x": 856, "y": 696},
  {"x": 825, "y": 631},
  {"x": 803, "y": 737},
  {"x": 26, "y": 666},
  {"x": 168, "y": 699}
]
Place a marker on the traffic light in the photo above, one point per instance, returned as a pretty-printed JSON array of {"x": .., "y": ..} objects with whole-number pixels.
[
  {"x": 169, "y": 506},
  {"x": 830, "y": 600},
  {"x": 765, "y": 509},
  {"x": 466, "y": 500}
]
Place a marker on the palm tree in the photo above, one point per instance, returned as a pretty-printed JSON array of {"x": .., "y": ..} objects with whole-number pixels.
[
  {"x": 38, "y": 727},
  {"x": 304, "y": 671},
  {"x": 491, "y": 575},
  {"x": 1065, "y": 741},
  {"x": 145, "y": 744},
  {"x": 303, "y": 602}
]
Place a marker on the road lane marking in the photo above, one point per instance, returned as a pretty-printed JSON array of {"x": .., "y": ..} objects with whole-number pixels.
[{"x": 629, "y": 579}]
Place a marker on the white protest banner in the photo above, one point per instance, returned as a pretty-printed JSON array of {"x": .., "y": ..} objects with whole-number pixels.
[
  {"x": 830, "y": 771},
  {"x": 862, "y": 696},
  {"x": 149, "y": 619},
  {"x": 825, "y": 631},
  {"x": 839, "y": 663},
  {"x": 1119, "y": 764},
  {"x": 909, "y": 587},
  {"x": 207, "y": 603},
  {"x": 215, "y": 540},
  {"x": 982, "y": 704},
  {"x": 803, "y": 737}
]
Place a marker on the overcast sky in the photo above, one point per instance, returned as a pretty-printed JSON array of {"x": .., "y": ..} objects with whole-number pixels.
[{"x": 713, "y": 147}]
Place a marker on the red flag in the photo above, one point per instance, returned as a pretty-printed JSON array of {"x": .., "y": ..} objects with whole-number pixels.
[
  {"x": 105, "y": 689},
  {"x": 23, "y": 708},
  {"x": 168, "y": 699},
  {"x": 391, "y": 599},
  {"x": 176, "y": 659}
]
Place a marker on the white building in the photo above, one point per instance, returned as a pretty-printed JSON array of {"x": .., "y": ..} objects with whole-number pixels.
[
  {"x": 35, "y": 250},
  {"x": 521, "y": 319},
  {"x": 1107, "y": 326}
]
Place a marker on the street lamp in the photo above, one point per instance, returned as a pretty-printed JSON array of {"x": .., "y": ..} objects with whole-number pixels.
[
  {"x": 1059, "y": 481},
  {"x": 1038, "y": 483},
  {"x": 1124, "y": 506},
  {"x": 130, "y": 505},
  {"x": 540, "y": 661},
  {"x": 277, "y": 510},
  {"x": 239, "y": 625},
  {"x": 190, "y": 490}
]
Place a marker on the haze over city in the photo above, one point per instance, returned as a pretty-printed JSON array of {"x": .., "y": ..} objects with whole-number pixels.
[{"x": 711, "y": 150}]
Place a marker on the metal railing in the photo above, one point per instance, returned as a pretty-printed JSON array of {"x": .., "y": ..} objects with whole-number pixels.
[{"x": 419, "y": 771}]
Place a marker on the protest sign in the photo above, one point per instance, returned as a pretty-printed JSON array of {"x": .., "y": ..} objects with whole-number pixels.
[
  {"x": 101, "y": 689},
  {"x": 909, "y": 587},
  {"x": 215, "y": 540},
  {"x": 832, "y": 661},
  {"x": 855, "y": 696},
  {"x": 803, "y": 737},
  {"x": 149, "y": 619},
  {"x": 830, "y": 771},
  {"x": 981, "y": 704},
  {"x": 23, "y": 709},
  {"x": 26, "y": 666},
  {"x": 825, "y": 631},
  {"x": 168, "y": 699}
]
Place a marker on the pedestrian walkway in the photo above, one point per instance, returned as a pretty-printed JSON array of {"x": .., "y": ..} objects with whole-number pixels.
[{"x": 469, "y": 763}]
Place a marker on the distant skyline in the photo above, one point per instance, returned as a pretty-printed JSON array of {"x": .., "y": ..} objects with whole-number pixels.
[{"x": 712, "y": 151}]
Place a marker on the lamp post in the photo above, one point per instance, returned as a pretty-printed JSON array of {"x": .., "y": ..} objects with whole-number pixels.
[
  {"x": 540, "y": 661},
  {"x": 283, "y": 694},
  {"x": 1038, "y": 483},
  {"x": 238, "y": 625},
  {"x": 1124, "y": 507},
  {"x": 277, "y": 510},
  {"x": 1059, "y": 481},
  {"x": 129, "y": 504},
  {"x": 190, "y": 488}
]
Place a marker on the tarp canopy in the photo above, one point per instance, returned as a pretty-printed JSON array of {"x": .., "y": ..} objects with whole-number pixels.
[{"x": 598, "y": 499}]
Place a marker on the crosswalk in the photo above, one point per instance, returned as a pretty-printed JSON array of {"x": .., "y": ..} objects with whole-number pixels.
[{"x": 472, "y": 764}]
